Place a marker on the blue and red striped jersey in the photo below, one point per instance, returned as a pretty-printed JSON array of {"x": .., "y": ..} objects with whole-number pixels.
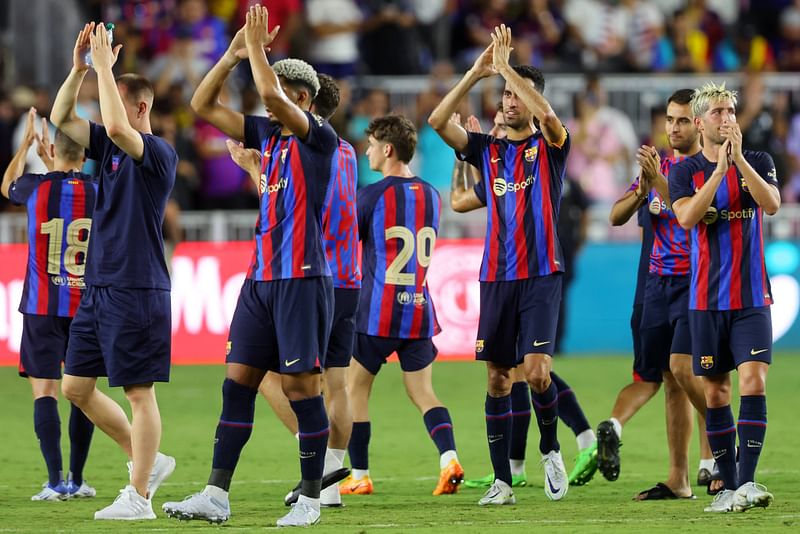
[
  {"x": 340, "y": 219},
  {"x": 727, "y": 256},
  {"x": 669, "y": 255},
  {"x": 522, "y": 192},
  {"x": 295, "y": 174},
  {"x": 59, "y": 207},
  {"x": 398, "y": 220}
]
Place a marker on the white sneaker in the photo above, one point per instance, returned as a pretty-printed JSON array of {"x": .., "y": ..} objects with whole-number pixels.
[
  {"x": 128, "y": 506},
  {"x": 330, "y": 497},
  {"x": 162, "y": 468},
  {"x": 58, "y": 493},
  {"x": 498, "y": 493},
  {"x": 750, "y": 495},
  {"x": 302, "y": 514},
  {"x": 199, "y": 506},
  {"x": 723, "y": 502},
  {"x": 84, "y": 491},
  {"x": 556, "y": 482}
]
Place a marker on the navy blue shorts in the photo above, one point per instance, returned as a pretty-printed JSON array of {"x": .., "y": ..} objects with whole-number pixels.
[
  {"x": 121, "y": 333},
  {"x": 414, "y": 354},
  {"x": 665, "y": 320},
  {"x": 340, "y": 343},
  {"x": 518, "y": 317},
  {"x": 723, "y": 340},
  {"x": 282, "y": 325},
  {"x": 641, "y": 372},
  {"x": 43, "y": 346}
]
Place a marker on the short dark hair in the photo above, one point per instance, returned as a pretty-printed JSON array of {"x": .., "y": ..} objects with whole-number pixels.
[
  {"x": 682, "y": 97},
  {"x": 327, "y": 100},
  {"x": 66, "y": 148},
  {"x": 397, "y": 131},
  {"x": 138, "y": 86},
  {"x": 531, "y": 73}
]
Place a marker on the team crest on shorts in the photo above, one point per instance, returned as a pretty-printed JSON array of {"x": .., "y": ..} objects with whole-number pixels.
[
  {"x": 530, "y": 153},
  {"x": 228, "y": 348},
  {"x": 479, "y": 345},
  {"x": 706, "y": 362}
]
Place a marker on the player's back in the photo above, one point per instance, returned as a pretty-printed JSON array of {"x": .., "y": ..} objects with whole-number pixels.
[
  {"x": 59, "y": 207},
  {"x": 339, "y": 219},
  {"x": 398, "y": 220}
]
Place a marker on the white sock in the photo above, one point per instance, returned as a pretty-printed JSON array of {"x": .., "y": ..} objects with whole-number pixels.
[
  {"x": 517, "y": 467},
  {"x": 585, "y": 439},
  {"x": 617, "y": 426},
  {"x": 358, "y": 474},
  {"x": 334, "y": 459},
  {"x": 706, "y": 464},
  {"x": 216, "y": 493},
  {"x": 313, "y": 503},
  {"x": 446, "y": 457}
]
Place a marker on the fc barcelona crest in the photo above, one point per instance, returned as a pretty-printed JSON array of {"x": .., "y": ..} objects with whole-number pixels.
[
  {"x": 706, "y": 362},
  {"x": 530, "y": 153}
]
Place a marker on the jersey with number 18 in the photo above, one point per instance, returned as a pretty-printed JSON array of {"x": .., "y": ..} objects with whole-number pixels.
[{"x": 398, "y": 221}]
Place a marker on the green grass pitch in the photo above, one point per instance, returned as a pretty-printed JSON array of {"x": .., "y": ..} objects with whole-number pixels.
[{"x": 403, "y": 462}]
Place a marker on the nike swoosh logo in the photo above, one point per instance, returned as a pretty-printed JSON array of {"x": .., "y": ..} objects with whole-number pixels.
[
  {"x": 492, "y": 440},
  {"x": 718, "y": 455},
  {"x": 753, "y": 352},
  {"x": 553, "y": 489},
  {"x": 495, "y": 160},
  {"x": 539, "y": 343},
  {"x": 288, "y": 363}
]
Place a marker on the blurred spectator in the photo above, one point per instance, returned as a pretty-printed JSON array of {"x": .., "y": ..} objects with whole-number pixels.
[
  {"x": 745, "y": 49},
  {"x": 334, "y": 24},
  {"x": 595, "y": 29},
  {"x": 791, "y": 189},
  {"x": 181, "y": 65},
  {"x": 688, "y": 47},
  {"x": 480, "y": 21},
  {"x": 389, "y": 41},
  {"x": 644, "y": 25},
  {"x": 22, "y": 98},
  {"x": 207, "y": 31},
  {"x": 147, "y": 21},
  {"x": 658, "y": 137},
  {"x": 789, "y": 40},
  {"x": 433, "y": 24},
  {"x": 288, "y": 14},
  {"x": 537, "y": 33},
  {"x": 374, "y": 104},
  {"x": 187, "y": 178}
]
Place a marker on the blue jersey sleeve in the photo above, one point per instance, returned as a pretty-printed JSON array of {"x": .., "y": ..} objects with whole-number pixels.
[
  {"x": 255, "y": 130},
  {"x": 321, "y": 136},
  {"x": 98, "y": 141},
  {"x": 159, "y": 160},
  {"x": 476, "y": 145},
  {"x": 22, "y": 187},
  {"x": 763, "y": 164},
  {"x": 364, "y": 210},
  {"x": 480, "y": 191},
  {"x": 680, "y": 182}
]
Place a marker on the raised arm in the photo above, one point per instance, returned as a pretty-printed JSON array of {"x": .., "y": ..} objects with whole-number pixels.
[
  {"x": 624, "y": 208},
  {"x": 63, "y": 114},
  {"x": 16, "y": 166},
  {"x": 462, "y": 193},
  {"x": 205, "y": 101},
  {"x": 648, "y": 159},
  {"x": 452, "y": 133},
  {"x": 551, "y": 126},
  {"x": 765, "y": 194},
  {"x": 112, "y": 110},
  {"x": 690, "y": 210},
  {"x": 268, "y": 85},
  {"x": 248, "y": 159}
]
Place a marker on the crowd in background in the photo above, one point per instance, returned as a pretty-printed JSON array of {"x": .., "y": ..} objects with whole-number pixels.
[{"x": 175, "y": 42}]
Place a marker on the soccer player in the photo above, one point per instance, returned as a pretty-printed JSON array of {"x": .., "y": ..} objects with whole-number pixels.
[
  {"x": 721, "y": 194},
  {"x": 664, "y": 330},
  {"x": 398, "y": 220},
  {"x": 59, "y": 206},
  {"x": 289, "y": 277},
  {"x": 569, "y": 410},
  {"x": 340, "y": 234},
  {"x": 122, "y": 326},
  {"x": 522, "y": 265}
]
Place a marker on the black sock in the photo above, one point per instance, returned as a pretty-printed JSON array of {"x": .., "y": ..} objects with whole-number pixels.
[
  {"x": 358, "y": 447},
  {"x": 47, "y": 424},
  {"x": 568, "y": 408},
  {"x": 752, "y": 429},
  {"x": 498, "y": 430},
  {"x": 312, "y": 423},
  {"x": 81, "y": 430},
  {"x": 721, "y": 434},
  {"x": 546, "y": 407},
  {"x": 233, "y": 430},
  {"x": 520, "y": 419}
]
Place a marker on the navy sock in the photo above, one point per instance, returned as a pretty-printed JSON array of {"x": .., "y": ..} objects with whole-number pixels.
[
  {"x": 520, "y": 419},
  {"x": 721, "y": 434},
  {"x": 546, "y": 407},
  {"x": 752, "y": 429},
  {"x": 80, "y": 437},
  {"x": 358, "y": 447},
  {"x": 233, "y": 430},
  {"x": 568, "y": 408},
  {"x": 498, "y": 433},
  {"x": 440, "y": 428},
  {"x": 47, "y": 424},
  {"x": 312, "y": 424}
]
